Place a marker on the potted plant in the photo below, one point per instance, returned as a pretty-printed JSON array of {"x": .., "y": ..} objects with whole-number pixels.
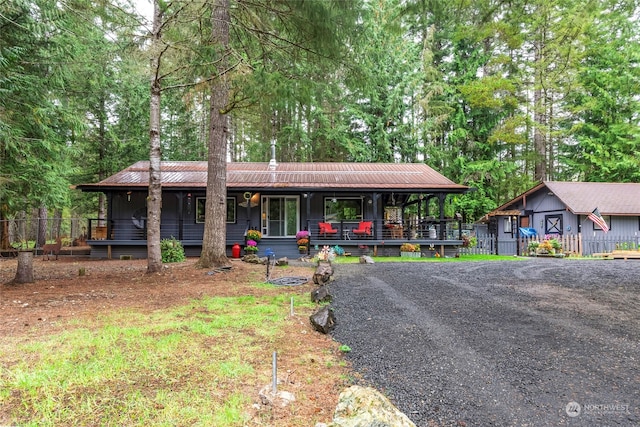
[
  {"x": 544, "y": 248},
  {"x": 251, "y": 247},
  {"x": 254, "y": 235},
  {"x": 302, "y": 240},
  {"x": 410, "y": 250}
]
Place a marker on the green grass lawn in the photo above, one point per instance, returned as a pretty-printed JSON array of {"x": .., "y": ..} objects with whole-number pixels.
[
  {"x": 199, "y": 364},
  {"x": 462, "y": 258}
]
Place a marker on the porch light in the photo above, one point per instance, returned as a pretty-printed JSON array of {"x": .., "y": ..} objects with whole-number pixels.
[
  {"x": 128, "y": 196},
  {"x": 250, "y": 200}
]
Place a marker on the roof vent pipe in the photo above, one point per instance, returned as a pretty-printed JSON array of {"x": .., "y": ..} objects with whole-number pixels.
[{"x": 272, "y": 163}]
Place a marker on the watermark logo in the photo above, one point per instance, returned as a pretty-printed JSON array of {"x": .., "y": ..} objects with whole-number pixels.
[{"x": 573, "y": 409}]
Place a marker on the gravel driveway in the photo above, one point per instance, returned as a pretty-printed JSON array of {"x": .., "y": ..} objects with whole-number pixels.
[{"x": 535, "y": 342}]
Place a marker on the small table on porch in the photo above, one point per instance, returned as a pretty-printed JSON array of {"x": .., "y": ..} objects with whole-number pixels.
[{"x": 346, "y": 235}]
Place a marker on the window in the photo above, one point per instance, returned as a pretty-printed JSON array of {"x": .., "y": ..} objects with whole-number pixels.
[
  {"x": 231, "y": 209},
  {"x": 607, "y": 219},
  {"x": 280, "y": 216},
  {"x": 339, "y": 209},
  {"x": 508, "y": 225}
]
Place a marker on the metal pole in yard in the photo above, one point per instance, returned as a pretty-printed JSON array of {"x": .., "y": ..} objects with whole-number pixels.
[
  {"x": 274, "y": 385},
  {"x": 291, "y": 312}
]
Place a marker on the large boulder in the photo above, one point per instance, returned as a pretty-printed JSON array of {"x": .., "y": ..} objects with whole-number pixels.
[
  {"x": 321, "y": 295},
  {"x": 323, "y": 273},
  {"x": 366, "y": 407},
  {"x": 323, "y": 320}
]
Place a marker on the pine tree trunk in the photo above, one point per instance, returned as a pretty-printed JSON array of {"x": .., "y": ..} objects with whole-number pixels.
[
  {"x": 215, "y": 224},
  {"x": 154, "y": 200},
  {"x": 24, "y": 272}
]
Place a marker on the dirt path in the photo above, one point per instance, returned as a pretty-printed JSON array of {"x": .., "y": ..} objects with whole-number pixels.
[{"x": 497, "y": 343}]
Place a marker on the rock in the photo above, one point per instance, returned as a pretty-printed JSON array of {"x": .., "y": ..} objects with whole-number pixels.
[
  {"x": 321, "y": 294},
  {"x": 282, "y": 262},
  {"x": 280, "y": 398},
  {"x": 323, "y": 320},
  {"x": 251, "y": 258},
  {"x": 366, "y": 259},
  {"x": 366, "y": 407},
  {"x": 323, "y": 273}
]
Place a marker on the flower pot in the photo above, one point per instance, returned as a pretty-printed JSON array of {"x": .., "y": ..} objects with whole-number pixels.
[{"x": 410, "y": 254}]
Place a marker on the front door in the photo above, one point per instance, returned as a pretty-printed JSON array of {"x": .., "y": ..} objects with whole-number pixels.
[{"x": 280, "y": 216}]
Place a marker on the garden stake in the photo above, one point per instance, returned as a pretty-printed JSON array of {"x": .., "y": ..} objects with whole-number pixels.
[
  {"x": 291, "y": 312},
  {"x": 274, "y": 386}
]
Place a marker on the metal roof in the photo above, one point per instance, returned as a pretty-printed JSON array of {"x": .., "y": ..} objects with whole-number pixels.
[
  {"x": 611, "y": 198},
  {"x": 581, "y": 198},
  {"x": 330, "y": 176}
]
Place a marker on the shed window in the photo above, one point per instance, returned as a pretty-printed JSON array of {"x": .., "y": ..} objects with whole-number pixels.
[
  {"x": 607, "y": 219},
  {"x": 508, "y": 228}
]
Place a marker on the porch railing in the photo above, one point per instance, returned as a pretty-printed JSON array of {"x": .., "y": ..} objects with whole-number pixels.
[
  {"x": 447, "y": 229},
  {"x": 33, "y": 233},
  {"x": 128, "y": 229}
]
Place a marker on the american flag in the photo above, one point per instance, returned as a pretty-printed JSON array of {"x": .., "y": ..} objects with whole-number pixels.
[{"x": 599, "y": 220}]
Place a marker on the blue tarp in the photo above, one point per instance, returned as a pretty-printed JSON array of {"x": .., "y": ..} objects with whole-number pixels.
[{"x": 528, "y": 232}]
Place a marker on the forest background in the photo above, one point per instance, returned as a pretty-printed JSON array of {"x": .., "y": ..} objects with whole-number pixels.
[{"x": 497, "y": 95}]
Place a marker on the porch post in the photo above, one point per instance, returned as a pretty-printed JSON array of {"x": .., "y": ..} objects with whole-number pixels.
[
  {"x": 374, "y": 202},
  {"x": 308, "y": 207},
  {"x": 180, "y": 197},
  {"x": 441, "y": 197},
  {"x": 109, "y": 219},
  {"x": 109, "y": 215}
]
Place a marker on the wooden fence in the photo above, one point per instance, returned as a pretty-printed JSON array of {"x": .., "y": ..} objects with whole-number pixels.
[{"x": 572, "y": 244}]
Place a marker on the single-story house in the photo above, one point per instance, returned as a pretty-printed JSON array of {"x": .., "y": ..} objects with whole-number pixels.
[
  {"x": 562, "y": 209},
  {"x": 361, "y": 207}
]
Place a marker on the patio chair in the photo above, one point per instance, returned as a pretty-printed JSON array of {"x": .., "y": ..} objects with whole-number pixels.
[
  {"x": 364, "y": 229},
  {"x": 326, "y": 228}
]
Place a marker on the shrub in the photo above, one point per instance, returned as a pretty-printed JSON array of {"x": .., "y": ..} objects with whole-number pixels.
[
  {"x": 171, "y": 250},
  {"x": 410, "y": 247},
  {"x": 469, "y": 241}
]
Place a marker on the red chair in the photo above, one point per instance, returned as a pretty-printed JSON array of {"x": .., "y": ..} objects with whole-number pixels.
[
  {"x": 364, "y": 228},
  {"x": 326, "y": 228}
]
